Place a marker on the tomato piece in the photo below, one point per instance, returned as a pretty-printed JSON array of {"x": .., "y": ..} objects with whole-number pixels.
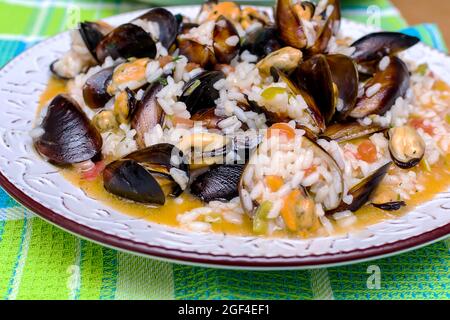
[
  {"x": 367, "y": 151},
  {"x": 94, "y": 172},
  {"x": 281, "y": 130},
  {"x": 163, "y": 61},
  {"x": 274, "y": 182}
]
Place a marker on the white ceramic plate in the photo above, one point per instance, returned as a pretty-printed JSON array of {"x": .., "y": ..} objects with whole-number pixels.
[{"x": 40, "y": 187}]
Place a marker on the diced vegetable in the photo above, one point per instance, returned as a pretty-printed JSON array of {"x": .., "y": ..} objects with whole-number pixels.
[
  {"x": 271, "y": 92},
  {"x": 260, "y": 219},
  {"x": 274, "y": 183},
  {"x": 288, "y": 212},
  {"x": 281, "y": 130},
  {"x": 367, "y": 151}
]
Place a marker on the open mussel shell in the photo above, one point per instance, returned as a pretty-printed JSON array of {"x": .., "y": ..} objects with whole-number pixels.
[
  {"x": 262, "y": 41},
  {"x": 126, "y": 41},
  {"x": 289, "y": 26},
  {"x": 92, "y": 33},
  {"x": 199, "y": 93},
  {"x": 224, "y": 30},
  {"x": 392, "y": 82},
  {"x": 148, "y": 114},
  {"x": 68, "y": 135},
  {"x": 406, "y": 146},
  {"x": 95, "y": 93},
  {"x": 342, "y": 132},
  {"x": 161, "y": 157},
  {"x": 344, "y": 74},
  {"x": 313, "y": 110},
  {"x": 130, "y": 180},
  {"x": 374, "y": 46},
  {"x": 205, "y": 148},
  {"x": 149, "y": 175},
  {"x": 314, "y": 75},
  {"x": 196, "y": 52},
  {"x": 167, "y": 25},
  {"x": 218, "y": 183},
  {"x": 362, "y": 191},
  {"x": 328, "y": 29}
]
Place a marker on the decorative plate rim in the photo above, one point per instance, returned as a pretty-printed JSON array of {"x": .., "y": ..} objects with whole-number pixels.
[{"x": 211, "y": 259}]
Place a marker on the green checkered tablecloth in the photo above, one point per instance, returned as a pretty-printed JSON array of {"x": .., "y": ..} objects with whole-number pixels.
[{"x": 39, "y": 261}]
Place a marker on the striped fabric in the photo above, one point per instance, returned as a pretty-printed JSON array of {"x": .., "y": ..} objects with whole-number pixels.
[{"x": 39, "y": 261}]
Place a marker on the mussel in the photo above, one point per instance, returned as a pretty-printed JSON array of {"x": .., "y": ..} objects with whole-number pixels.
[
  {"x": 68, "y": 136},
  {"x": 341, "y": 132},
  {"x": 92, "y": 33},
  {"x": 82, "y": 54},
  {"x": 212, "y": 9},
  {"x": 383, "y": 89},
  {"x": 302, "y": 26},
  {"x": 105, "y": 120},
  {"x": 344, "y": 74},
  {"x": 314, "y": 75},
  {"x": 148, "y": 114},
  {"x": 374, "y": 46},
  {"x": 406, "y": 146},
  {"x": 224, "y": 46},
  {"x": 149, "y": 175},
  {"x": 199, "y": 93},
  {"x": 205, "y": 148},
  {"x": 125, "y": 106},
  {"x": 226, "y": 41},
  {"x": 218, "y": 183},
  {"x": 126, "y": 41},
  {"x": 262, "y": 41},
  {"x": 95, "y": 89},
  {"x": 166, "y": 22},
  {"x": 362, "y": 191},
  {"x": 285, "y": 59}
]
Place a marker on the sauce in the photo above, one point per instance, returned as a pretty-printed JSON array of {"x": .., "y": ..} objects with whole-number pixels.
[{"x": 435, "y": 181}]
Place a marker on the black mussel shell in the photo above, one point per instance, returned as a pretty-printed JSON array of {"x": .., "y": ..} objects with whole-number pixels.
[
  {"x": 92, "y": 33},
  {"x": 344, "y": 74},
  {"x": 374, "y": 46},
  {"x": 390, "y": 206},
  {"x": 223, "y": 30},
  {"x": 130, "y": 180},
  {"x": 95, "y": 93},
  {"x": 167, "y": 22},
  {"x": 126, "y": 41},
  {"x": 363, "y": 190},
  {"x": 341, "y": 132},
  {"x": 199, "y": 93},
  {"x": 218, "y": 183},
  {"x": 161, "y": 157},
  {"x": 148, "y": 113},
  {"x": 262, "y": 41},
  {"x": 314, "y": 75},
  {"x": 394, "y": 81},
  {"x": 69, "y": 137}
]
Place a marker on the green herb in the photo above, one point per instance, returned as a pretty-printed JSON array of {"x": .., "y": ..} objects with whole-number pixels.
[
  {"x": 422, "y": 69},
  {"x": 162, "y": 81}
]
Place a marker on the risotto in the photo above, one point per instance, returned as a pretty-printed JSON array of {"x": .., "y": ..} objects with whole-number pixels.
[{"x": 239, "y": 123}]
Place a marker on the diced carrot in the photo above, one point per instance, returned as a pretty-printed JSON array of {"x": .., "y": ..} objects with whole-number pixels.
[
  {"x": 274, "y": 182},
  {"x": 281, "y": 130},
  {"x": 419, "y": 123},
  {"x": 93, "y": 173},
  {"x": 182, "y": 121},
  {"x": 288, "y": 212},
  {"x": 367, "y": 151}
]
